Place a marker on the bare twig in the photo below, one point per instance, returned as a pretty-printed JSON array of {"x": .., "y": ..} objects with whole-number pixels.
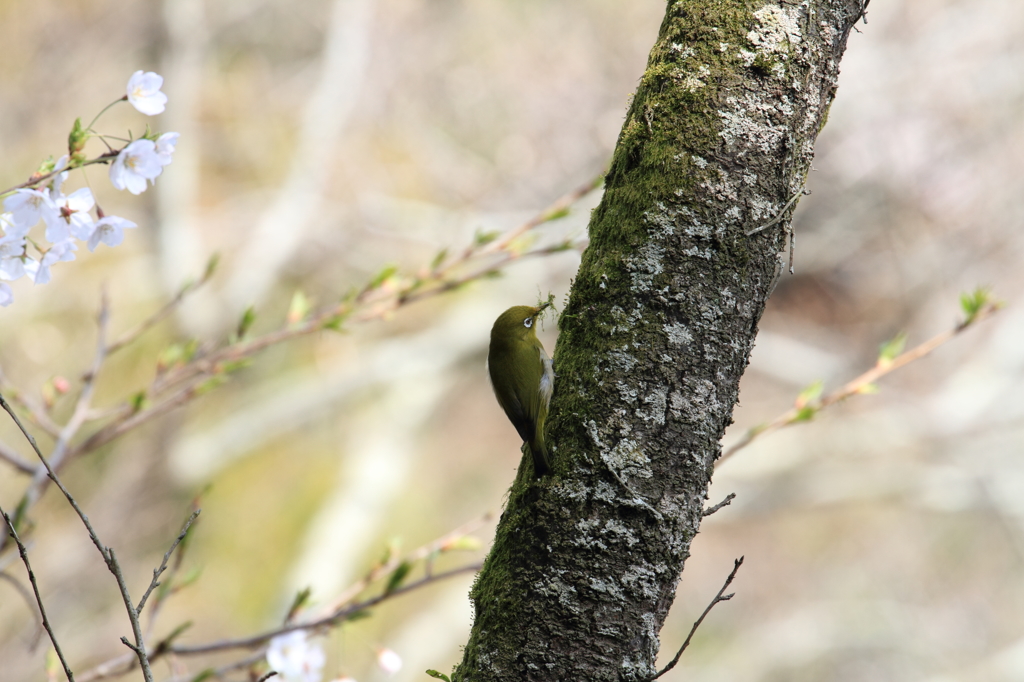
[
  {"x": 720, "y": 597},
  {"x": 35, "y": 588},
  {"x": 157, "y": 572},
  {"x": 781, "y": 212},
  {"x": 803, "y": 410},
  {"x": 724, "y": 503},
  {"x": 106, "y": 552}
]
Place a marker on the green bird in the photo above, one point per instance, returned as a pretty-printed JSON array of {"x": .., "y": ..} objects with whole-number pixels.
[{"x": 523, "y": 378}]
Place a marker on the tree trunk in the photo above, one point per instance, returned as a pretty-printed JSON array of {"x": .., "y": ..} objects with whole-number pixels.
[{"x": 656, "y": 334}]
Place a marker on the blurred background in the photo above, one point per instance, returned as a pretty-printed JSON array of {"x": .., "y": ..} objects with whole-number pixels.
[{"x": 321, "y": 140}]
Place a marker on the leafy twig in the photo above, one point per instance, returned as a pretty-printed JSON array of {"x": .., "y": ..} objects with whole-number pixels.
[
  {"x": 40, "y": 178},
  {"x": 168, "y": 308},
  {"x": 977, "y": 307},
  {"x": 342, "y": 609},
  {"x": 718, "y": 598}
]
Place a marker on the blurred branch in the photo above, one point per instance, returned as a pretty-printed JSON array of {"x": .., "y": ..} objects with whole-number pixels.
[
  {"x": 168, "y": 308},
  {"x": 392, "y": 563},
  {"x": 78, "y": 418},
  {"x": 35, "y": 587},
  {"x": 206, "y": 365},
  {"x": 339, "y": 616},
  {"x": 37, "y": 415},
  {"x": 9, "y": 455},
  {"x": 718, "y": 598},
  {"x": 39, "y": 178},
  {"x": 976, "y": 309},
  {"x": 341, "y": 609}
]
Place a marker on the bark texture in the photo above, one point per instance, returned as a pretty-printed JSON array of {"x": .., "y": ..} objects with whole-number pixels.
[{"x": 658, "y": 329}]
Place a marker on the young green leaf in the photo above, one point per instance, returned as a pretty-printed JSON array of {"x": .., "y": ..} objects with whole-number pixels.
[
  {"x": 358, "y": 615},
  {"x": 438, "y": 259},
  {"x": 888, "y": 351},
  {"x": 299, "y": 308},
  {"x": 386, "y": 273},
  {"x": 466, "y": 543},
  {"x": 973, "y": 303},
  {"x": 438, "y": 676},
  {"x": 484, "y": 237},
  {"x": 809, "y": 394},
  {"x": 397, "y": 577},
  {"x": 555, "y": 214},
  {"x": 300, "y": 600}
]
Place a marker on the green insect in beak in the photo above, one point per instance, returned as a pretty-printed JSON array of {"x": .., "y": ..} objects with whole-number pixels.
[{"x": 523, "y": 378}]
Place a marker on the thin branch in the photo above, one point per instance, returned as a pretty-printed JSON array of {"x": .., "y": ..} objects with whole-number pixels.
[
  {"x": 37, "y": 414},
  {"x": 373, "y": 302},
  {"x": 724, "y": 503},
  {"x": 38, "y": 179},
  {"x": 219, "y": 672},
  {"x": 339, "y": 611},
  {"x": 339, "y": 616},
  {"x": 106, "y": 552},
  {"x": 168, "y": 308},
  {"x": 781, "y": 212},
  {"x": 720, "y": 597},
  {"x": 377, "y": 572},
  {"x": 35, "y": 589},
  {"x": 157, "y": 572},
  {"x": 802, "y": 410}
]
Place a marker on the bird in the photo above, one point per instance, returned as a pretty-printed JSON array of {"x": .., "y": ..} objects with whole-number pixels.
[{"x": 522, "y": 376}]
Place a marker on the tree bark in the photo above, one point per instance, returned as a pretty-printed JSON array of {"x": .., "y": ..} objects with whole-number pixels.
[{"x": 658, "y": 329}]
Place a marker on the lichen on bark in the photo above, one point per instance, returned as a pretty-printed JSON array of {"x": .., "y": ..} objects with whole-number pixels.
[{"x": 656, "y": 334}]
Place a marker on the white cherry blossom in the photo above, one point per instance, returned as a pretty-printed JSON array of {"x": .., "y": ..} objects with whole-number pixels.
[
  {"x": 6, "y": 295},
  {"x": 59, "y": 178},
  {"x": 144, "y": 93},
  {"x": 295, "y": 658},
  {"x": 109, "y": 230},
  {"x": 26, "y": 207},
  {"x": 389, "y": 661},
  {"x": 71, "y": 217},
  {"x": 165, "y": 145},
  {"x": 61, "y": 251},
  {"x": 135, "y": 164},
  {"x": 12, "y": 248}
]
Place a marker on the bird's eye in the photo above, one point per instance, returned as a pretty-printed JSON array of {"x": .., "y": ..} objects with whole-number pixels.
[{"x": 528, "y": 322}]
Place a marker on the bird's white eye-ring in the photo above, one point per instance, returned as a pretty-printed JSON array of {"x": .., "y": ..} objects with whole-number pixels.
[{"x": 528, "y": 322}]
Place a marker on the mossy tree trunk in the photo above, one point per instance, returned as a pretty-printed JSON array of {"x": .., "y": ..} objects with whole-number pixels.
[{"x": 659, "y": 326}]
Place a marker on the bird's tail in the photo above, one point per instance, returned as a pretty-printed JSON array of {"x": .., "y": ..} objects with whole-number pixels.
[{"x": 541, "y": 458}]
